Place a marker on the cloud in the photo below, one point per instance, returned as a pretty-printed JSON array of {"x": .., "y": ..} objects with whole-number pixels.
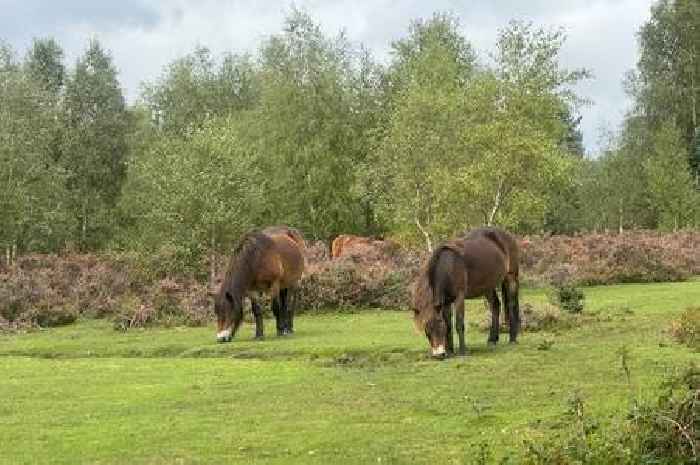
[{"x": 144, "y": 36}]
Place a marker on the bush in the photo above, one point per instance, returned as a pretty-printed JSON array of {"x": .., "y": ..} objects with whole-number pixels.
[
  {"x": 544, "y": 317},
  {"x": 342, "y": 284},
  {"x": 165, "y": 303},
  {"x": 665, "y": 431},
  {"x": 686, "y": 328},
  {"x": 636, "y": 256},
  {"x": 564, "y": 294}
]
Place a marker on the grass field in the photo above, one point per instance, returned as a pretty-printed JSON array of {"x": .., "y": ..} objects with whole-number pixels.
[{"x": 345, "y": 389}]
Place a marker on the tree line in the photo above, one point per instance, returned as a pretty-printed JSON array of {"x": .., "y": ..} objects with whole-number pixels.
[{"x": 311, "y": 130}]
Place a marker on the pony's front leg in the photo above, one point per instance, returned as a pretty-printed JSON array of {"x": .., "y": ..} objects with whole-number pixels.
[
  {"x": 257, "y": 313},
  {"x": 449, "y": 340},
  {"x": 459, "y": 323}
]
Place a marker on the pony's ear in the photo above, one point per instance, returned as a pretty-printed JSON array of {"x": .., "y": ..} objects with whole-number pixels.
[{"x": 229, "y": 297}]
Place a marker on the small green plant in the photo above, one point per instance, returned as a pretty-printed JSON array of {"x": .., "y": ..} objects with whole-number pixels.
[
  {"x": 624, "y": 354},
  {"x": 567, "y": 296}
]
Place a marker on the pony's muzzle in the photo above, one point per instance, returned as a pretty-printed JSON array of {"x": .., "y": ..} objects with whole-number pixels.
[
  {"x": 439, "y": 352},
  {"x": 224, "y": 336}
]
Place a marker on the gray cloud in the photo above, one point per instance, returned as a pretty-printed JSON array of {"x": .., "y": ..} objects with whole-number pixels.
[{"x": 144, "y": 36}]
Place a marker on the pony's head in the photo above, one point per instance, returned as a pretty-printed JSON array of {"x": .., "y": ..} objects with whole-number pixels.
[
  {"x": 427, "y": 317},
  {"x": 229, "y": 315}
]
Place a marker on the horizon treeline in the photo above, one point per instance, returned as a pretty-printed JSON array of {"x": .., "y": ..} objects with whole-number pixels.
[{"x": 310, "y": 130}]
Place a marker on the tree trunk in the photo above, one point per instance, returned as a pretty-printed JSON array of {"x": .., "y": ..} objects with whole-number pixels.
[
  {"x": 212, "y": 260},
  {"x": 496, "y": 204},
  {"x": 621, "y": 212},
  {"x": 693, "y": 98},
  {"x": 83, "y": 231},
  {"x": 426, "y": 234}
]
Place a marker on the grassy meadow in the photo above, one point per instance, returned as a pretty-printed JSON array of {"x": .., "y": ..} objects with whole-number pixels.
[{"x": 347, "y": 388}]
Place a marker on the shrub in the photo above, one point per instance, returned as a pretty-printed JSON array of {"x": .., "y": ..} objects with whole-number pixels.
[
  {"x": 686, "y": 328},
  {"x": 341, "y": 284},
  {"x": 165, "y": 303},
  {"x": 541, "y": 317},
  {"x": 635, "y": 256},
  {"x": 665, "y": 431},
  {"x": 567, "y": 297}
]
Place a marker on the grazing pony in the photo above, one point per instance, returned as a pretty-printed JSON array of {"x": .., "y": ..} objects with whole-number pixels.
[
  {"x": 270, "y": 261},
  {"x": 475, "y": 265}
]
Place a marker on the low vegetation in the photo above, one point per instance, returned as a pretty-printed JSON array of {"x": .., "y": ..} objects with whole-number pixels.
[
  {"x": 168, "y": 289},
  {"x": 686, "y": 328}
]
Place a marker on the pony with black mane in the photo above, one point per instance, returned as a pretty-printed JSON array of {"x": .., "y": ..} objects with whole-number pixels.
[
  {"x": 475, "y": 265},
  {"x": 270, "y": 261}
]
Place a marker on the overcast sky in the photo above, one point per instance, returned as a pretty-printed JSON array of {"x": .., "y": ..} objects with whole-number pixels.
[{"x": 145, "y": 35}]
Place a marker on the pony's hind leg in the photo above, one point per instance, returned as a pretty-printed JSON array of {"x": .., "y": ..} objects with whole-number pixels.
[
  {"x": 495, "y": 306},
  {"x": 291, "y": 308},
  {"x": 511, "y": 299},
  {"x": 284, "y": 307},
  {"x": 276, "y": 311},
  {"x": 257, "y": 313}
]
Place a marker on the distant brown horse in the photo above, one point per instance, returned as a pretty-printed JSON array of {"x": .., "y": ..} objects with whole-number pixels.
[
  {"x": 270, "y": 261},
  {"x": 473, "y": 266}
]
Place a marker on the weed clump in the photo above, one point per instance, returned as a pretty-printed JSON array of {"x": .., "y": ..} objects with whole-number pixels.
[
  {"x": 564, "y": 294},
  {"x": 686, "y": 328}
]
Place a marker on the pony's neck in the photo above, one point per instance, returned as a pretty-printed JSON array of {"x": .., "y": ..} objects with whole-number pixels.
[{"x": 240, "y": 282}]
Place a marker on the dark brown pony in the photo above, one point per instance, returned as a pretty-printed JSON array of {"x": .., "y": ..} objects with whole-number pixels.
[
  {"x": 270, "y": 261},
  {"x": 473, "y": 266}
]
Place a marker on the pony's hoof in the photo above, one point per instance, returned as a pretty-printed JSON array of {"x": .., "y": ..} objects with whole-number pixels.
[
  {"x": 223, "y": 339},
  {"x": 492, "y": 343}
]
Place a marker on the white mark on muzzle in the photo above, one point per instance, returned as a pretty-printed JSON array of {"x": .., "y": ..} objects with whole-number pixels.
[{"x": 439, "y": 351}]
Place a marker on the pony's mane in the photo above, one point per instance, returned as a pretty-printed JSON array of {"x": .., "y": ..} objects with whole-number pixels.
[
  {"x": 246, "y": 255},
  {"x": 422, "y": 295}
]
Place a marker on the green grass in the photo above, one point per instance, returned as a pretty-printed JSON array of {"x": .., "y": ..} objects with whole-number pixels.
[{"x": 346, "y": 389}]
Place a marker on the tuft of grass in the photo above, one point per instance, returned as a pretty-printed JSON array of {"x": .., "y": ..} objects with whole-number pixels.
[{"x": 686, "y": 328}]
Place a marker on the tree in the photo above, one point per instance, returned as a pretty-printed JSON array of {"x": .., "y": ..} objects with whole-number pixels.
[
  {"x": 671, "y": 185},
  {"x": 95, "y": 145},
  {"x": 203, "y": 190},
  {"x": 309, "y": 131},
  {"x": 44, "y": 64},
  {"x": 490, "y": 149},
  {"x": 194, "y": 88},
  {"x": 415, "y": 55},
  {"x": 665, "y": 85},
  {"x": 32, "y": 191}
]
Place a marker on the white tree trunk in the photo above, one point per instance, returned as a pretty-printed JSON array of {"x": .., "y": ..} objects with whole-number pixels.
[
  {"x": 496, "y": 204},
  {"x": 83, "y": 232},
  {"x": 426, "y": 235},
  {"x": 621, "y": 212}
]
